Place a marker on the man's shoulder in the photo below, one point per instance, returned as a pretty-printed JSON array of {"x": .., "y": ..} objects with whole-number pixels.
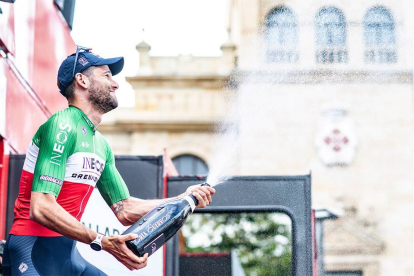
[
  {"x": 63, "y": 117},
  {"x": 103, "y": 139},
  {"x": 106, "y": 147},
  {"x": 58, "y": 128},
  {"x": 62, "y": 121}
]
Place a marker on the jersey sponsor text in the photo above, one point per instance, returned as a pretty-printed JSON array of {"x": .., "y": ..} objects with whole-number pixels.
[
  {"x": 58, "y": 147},
  {"x": 51, "y": 179},
  {"x": 93, "y": 164}
]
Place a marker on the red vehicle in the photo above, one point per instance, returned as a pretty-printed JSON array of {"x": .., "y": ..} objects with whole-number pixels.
[{"x": 34, "y": 39}]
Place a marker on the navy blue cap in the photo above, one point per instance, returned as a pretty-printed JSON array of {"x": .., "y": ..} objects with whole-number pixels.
[{"x": 85, "y": 60}]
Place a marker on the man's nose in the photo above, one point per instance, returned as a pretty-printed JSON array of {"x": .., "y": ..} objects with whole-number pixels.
[{"x": 115, "y": 85}]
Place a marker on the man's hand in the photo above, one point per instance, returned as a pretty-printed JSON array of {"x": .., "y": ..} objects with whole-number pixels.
[
  {"x": 115, "y": 245},
  {"x": 130, "y": 210},
  {"x": 202, "y": 193}
]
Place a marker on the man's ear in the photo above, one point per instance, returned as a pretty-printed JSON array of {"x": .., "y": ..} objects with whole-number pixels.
[{"x": 82, "y": 80}]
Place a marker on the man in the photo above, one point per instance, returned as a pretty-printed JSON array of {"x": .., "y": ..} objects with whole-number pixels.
[{"x": 65, "y": 160}]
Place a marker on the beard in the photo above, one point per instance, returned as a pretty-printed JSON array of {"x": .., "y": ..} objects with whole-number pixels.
[{"x": 100, "y": 97}]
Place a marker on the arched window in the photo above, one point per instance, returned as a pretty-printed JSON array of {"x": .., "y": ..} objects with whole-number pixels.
[
  {"x": 379, "y": 32},
  {"x": 188, "y": 164},
  {"x": 281, "y": 35},
  {"x": 331, "y": 36}
]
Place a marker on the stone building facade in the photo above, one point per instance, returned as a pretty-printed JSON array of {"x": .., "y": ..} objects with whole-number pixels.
[{"x": 338, "y": 99}]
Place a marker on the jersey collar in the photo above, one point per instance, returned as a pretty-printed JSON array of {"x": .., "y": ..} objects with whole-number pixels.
[{"x": 88, "y": 122}]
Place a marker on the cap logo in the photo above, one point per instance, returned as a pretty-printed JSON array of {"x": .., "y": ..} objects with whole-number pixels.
[{"x": 83, "y": 61}]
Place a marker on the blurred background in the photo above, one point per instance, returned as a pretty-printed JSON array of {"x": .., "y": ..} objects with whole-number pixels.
[{"x": 321, "y": 86}]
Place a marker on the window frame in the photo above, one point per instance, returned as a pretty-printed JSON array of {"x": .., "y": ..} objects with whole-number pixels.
[
  {"x": 327, "y": 50},
  {"x": 194, "y": 164},
  {"x": 283, "y": 20},
  {"x": 377, "y": 49}
]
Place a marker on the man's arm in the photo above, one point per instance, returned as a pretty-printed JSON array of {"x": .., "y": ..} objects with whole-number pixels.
[
  {"x": 130, "y": 210},
  {"x": 46, "y": 211}
]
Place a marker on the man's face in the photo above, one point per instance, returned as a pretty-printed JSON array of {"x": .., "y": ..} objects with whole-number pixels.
[{"x": 102, "y": 89}]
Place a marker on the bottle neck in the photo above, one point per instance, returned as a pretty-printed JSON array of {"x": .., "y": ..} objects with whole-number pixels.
[
  {"x": 192, "y": 201},
  {"x": 195, "y": 199}
]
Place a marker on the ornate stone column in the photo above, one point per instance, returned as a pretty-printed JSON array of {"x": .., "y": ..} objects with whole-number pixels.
[
  {"x": 229, "y": 56},
  {"x": 144, "y": 58}
]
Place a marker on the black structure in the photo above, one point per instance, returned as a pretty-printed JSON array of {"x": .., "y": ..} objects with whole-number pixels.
[
  {"x": 320, "y": 216},
  {"x": 15, "y": 171},
  {"x": 67, "y": 7},
  {"x": 216, "y": 265},
  {"x": 142, "y": 174},
  {"x": 286, "y": 194}
]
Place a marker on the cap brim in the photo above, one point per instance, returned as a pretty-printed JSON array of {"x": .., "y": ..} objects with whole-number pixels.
[{"x": 115, "y": 64}]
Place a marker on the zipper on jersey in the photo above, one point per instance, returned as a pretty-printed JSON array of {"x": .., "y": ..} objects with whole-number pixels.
[{"x": 93, "y": 142}]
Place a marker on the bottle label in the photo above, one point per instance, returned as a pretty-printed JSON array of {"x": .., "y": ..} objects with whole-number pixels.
[
  {"x": 154, "y": 245},
  {"x": 152, "y": 225},
  {"x": 191, "y": 202}
]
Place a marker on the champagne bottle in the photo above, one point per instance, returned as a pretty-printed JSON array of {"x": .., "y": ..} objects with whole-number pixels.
[{"x": 160, "y": 224}]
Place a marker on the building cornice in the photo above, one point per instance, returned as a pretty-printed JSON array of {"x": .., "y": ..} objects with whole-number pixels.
[
  {"x": 172, "y": 81},
  {"x": 123, "y": 126},
  {"x": 310, "y": 76},
  {"x": 321, "y": 76}
]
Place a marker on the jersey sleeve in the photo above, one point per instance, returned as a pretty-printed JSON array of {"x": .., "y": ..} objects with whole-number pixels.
[
  {"x": 56, "y": 139},
  {"x": 111, "y": 185}
]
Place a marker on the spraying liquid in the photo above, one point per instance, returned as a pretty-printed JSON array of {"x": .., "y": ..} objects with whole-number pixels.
[{"x": 245, "y": 138}]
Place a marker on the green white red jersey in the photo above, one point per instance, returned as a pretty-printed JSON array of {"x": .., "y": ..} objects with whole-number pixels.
[{"x": 67, "y": 157}]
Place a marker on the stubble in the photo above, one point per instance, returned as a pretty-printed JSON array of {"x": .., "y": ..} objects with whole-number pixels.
[{"x": 100, "y": 97}]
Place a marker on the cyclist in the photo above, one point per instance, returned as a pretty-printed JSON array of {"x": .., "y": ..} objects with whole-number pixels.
[{"x": 65, "y": 160}]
